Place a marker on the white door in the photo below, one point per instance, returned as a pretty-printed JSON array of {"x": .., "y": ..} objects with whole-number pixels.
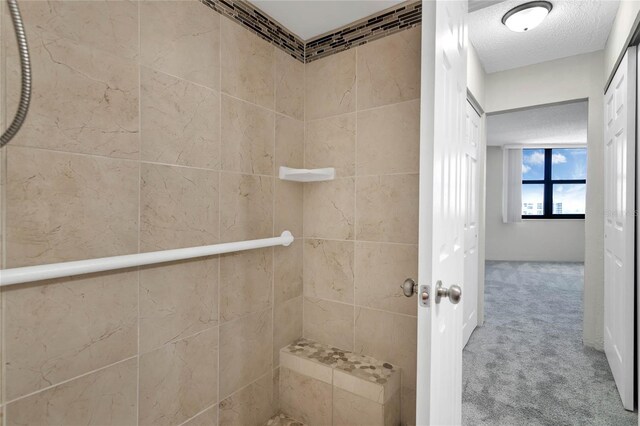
[
  {"x": 619, "y": 225},
  {"x": 441, "y": 235},
  {"x": 471, "y": 217}
]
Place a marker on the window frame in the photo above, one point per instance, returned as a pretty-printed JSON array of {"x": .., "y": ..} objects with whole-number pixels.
[{"x": 548, "y": 183}]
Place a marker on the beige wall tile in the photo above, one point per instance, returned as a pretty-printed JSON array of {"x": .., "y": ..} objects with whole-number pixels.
[
  {"x": 330, "y": 85},
  {"x": 248, "y": 65},
  {"x": 288, "y": 207},
  {"x": 305, "y": 366},
  {"x": 56, "y": 330},
  {"x": 408, "y": 406},
  {"x": 287, "y": 325},
  {"x": 106, "y": 25},
  {"x": 331, "y": 142},
  {"x": 353, "y": 410},
  {"x": 106, "y": 397},
  {"x": 177, "y": 300},
  {"x": 389, "y": 139},
  {"x": 377, "y": 336},
  {"x": 246, "y": 207},
  {"x": 178, "y": 380},
  {"x": 178, "y": 207},
  {"x": 328, "y": 269},
  {"x": 247, "y": 137},
  {"x": 84, "y": 100},
  {"x": 289, "y": 142},
  {"x": 289, "y": 85},
  {"x": 387, "y": 208},
  {"x": 275, "y": 401},
  {"x": 182, "y": 39},
  {"x": 288, "y": 272},
  {"x": 179, "y": 121},
  {"x": 389, "y": 69},
  {"x": 63, "y": 207},
  {"x": 304, "y": 398},
  {"x": 206, "y": 418},
  {"x": 392, "y": 410},
  {"x": 246, "y": 280},
  {"x": 380, "y": 270},
  {"x": 250, "y": 406},
  {"x": 329, "y": 322},
  {"x": 329, "y": 209},
  {"x": 246, "y": 351}
]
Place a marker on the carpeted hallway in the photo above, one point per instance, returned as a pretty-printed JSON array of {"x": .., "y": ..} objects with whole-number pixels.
[{"x": 527, "y": 365}]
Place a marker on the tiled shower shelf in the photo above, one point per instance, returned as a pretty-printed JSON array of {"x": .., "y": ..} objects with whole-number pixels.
[
  {"x": 320, "y": 384},
  {"x": 307, "y": 175}
]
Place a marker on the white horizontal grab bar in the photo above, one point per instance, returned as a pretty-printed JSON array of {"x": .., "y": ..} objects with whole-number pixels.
[{"x": 78, "y": 267}]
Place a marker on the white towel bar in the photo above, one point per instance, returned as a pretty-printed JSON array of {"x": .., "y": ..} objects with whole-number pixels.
[{"x": 67, "y": 269}]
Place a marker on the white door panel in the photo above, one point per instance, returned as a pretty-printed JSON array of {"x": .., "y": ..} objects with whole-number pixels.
[
  {"x": 619, "y": 226},
  {"x": 442, "y": 210},
  {"x": 471, "y": 179}
]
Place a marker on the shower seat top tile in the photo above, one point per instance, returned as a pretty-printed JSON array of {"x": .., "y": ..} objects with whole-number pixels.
[{"x": 361, "y": 366}]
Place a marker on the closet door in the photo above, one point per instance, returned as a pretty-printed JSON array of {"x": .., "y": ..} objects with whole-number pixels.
[
  {"x": 472, "y": 188},
  {"x": 619, "y": 225}
]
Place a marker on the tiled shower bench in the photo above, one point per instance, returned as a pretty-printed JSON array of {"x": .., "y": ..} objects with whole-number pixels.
[{"x": 322, "y": 385}]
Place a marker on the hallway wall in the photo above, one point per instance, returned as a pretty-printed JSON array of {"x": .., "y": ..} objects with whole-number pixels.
[
  {"x": 532, "y": 240},
  {"x": 572, "y": 78},
  {"x": 361, "y": 230}
]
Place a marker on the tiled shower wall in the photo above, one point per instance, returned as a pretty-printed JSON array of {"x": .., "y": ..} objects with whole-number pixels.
[
  {"x": 361, "y": 230},
  {"x": 154, "y": 125}
]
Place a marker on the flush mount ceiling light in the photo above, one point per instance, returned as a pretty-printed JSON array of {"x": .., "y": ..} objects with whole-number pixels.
[{"x": 526, "y": 16}]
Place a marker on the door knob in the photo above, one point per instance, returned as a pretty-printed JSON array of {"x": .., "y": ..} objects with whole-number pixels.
[
  {"x": 454, "y": 293},
  {"x": 409, "y": 287}
]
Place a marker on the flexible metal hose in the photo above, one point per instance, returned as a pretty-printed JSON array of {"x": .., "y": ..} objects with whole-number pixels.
[{"x": 25, "y": 66}]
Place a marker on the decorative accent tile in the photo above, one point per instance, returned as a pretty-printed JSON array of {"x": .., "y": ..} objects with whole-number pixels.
[
  {"x": 283, "y": 420},
  {"x": 260, "y": 24},
  {"x": 390, "y": 21},
  {"x": 387, "y": 22}
]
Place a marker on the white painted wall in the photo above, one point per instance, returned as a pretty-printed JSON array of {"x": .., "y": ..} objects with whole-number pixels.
[
  {"x": 476, "y": 85},
  {"x": 475, "y": 75},
  {"x": 533, "y": 240},
  {"x": 618, "y": 40},
  {"x": 576, "y": 77}
]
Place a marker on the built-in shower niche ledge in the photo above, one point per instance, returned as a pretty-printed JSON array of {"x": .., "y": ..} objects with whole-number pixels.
[
  {"x": 320, "y": 384},
  {"x": 307, "y": 175}
]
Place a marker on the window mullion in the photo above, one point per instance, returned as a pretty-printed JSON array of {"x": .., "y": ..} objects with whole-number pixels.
[{"x": 548, "y": 185}]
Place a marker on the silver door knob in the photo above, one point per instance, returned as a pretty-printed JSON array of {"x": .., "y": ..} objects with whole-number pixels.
[
  {"x": 454, "y": 293},
  {"x": 409, "y": 287}
]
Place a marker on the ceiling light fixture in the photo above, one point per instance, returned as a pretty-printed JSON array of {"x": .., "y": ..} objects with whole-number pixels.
[{"x": 527, "y": 16}]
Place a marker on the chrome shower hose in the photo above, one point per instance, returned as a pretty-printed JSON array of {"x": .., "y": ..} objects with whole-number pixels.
[{"x": 25, "y": 67}]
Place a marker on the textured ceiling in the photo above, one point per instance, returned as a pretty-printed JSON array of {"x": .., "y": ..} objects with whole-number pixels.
[
  {"x": 310, "y": 18},
  {"x": 566, "y": 123},
  {"x": 572, "y": 27}
]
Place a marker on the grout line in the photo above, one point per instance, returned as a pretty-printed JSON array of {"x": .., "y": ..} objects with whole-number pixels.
[
  {"x": 139, "y": 209},
  {"x": 199, "y": 413},
  {"x": 219, "y": 275},
  {"x": 304, "y": 164},
  {"x": 273, "y": 226},
  {"x": 203, "y": 168},
  {"x": 355, "y": 305},
  {"x": 122, "y": 361},
  {"x": 361, "y": 241},
  {"x": 359, "y": 110},
  {"x": 355, "y": 196}
]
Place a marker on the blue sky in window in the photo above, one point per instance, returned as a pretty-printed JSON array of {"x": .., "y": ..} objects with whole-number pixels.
[
  {"x": 532, "y": 164},
  {"x": 567, "y": 163}
]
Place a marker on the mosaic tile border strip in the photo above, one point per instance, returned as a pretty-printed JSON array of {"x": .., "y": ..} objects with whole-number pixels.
[
  {"x": 402, "y": 17},
  {"x": 260, "y": 24}
]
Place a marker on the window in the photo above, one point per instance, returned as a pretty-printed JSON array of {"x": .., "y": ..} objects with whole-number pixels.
[{"x": 554, "y": 183}]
